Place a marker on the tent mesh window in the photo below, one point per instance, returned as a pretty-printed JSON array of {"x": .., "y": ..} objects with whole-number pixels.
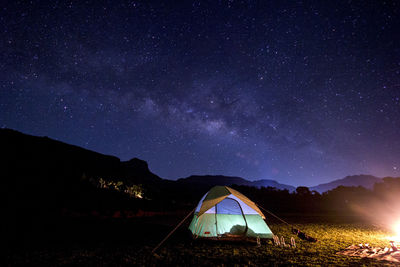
[{"x": 230, "y": 219}]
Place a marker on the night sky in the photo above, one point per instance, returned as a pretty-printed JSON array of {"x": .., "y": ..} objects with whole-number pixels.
[{"x": 302, "y": 92}]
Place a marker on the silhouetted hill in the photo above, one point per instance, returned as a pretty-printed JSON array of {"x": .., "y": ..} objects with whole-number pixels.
[
  {"x": 52, "y": 173},
  {"x": 213, "y": 180},
  {"x": 366, "y": 181},
  {"x": 33, "y": 155},
  {"x": 42, "y": 179},
  {"x": 272, "y": 183}
]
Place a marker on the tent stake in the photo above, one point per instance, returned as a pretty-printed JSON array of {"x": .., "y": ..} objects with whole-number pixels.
[
  {"x": 170, "y": 233},
  {"x": 303, "y": 235}
]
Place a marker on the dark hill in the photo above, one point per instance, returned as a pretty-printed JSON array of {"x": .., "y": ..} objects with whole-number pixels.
[
  {"x": 366, "y": 181},
  {"x": 43, "y": 179},
  {"x": 212, "y": 180},
  {"x": 31, "y": 157},
  {"x": 272, "y": 183}
]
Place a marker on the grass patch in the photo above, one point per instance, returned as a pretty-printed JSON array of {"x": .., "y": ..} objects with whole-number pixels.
[
  {"x": 332, "y": 238},
  {"x": 183, "y": 251}
]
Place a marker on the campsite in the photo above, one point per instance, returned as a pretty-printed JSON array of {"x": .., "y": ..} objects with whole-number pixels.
[
  {"x": 82, "y": 219},
  {"x": 199, "y": 133},
  {"x": 182, "y": 251}
]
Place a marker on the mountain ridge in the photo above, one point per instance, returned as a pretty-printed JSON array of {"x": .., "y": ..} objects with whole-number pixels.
[
  {"x": 44, "y": 155},
  {"x": 364, "y": 180},
  {"x": 60, "y": 154},
  {"x": 230, "y": 180}
]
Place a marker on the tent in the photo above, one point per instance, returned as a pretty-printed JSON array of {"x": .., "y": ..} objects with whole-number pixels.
[{"x": 225, "y": 213}]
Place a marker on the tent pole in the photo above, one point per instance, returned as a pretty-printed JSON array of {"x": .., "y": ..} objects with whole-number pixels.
[{"x": 170, "y": 233}]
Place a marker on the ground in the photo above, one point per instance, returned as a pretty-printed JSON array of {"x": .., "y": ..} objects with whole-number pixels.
[{"x": 333, "y": 235}]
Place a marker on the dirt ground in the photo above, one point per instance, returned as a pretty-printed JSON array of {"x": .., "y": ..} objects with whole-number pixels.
[{"x": 129, "y": 243}]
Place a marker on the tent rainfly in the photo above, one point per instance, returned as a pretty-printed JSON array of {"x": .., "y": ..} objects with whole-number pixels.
[{"x": 225, "y": 213}]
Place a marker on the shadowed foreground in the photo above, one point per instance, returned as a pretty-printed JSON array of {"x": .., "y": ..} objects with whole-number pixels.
[{"x": 134, "y": 246}]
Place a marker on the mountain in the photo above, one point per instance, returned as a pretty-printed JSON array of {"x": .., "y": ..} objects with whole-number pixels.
[
  {"x": 366, "y": 181},
  {"x": 38, "y": 157},
  {"x": 54, "y": 175},
  {"x": 212, "y": 180},
  {"x": 43, "y": 177},
  {"x": 32, "y": 163},
  {"x": 272, "y": 183}
]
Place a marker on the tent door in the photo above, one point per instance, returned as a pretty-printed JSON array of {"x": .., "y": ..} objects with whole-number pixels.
[{"x": 229, "y": 218}]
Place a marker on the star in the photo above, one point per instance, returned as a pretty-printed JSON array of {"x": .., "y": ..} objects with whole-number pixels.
[{"x": 186, "y": 86}]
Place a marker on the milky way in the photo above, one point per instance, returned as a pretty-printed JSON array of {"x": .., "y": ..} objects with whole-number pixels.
[{"x": 300, "y": 92}]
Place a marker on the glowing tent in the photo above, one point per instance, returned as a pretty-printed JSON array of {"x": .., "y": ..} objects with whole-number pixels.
[{"x": 225, "y": 213}]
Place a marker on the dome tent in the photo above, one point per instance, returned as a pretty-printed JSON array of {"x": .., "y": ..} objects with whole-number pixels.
[{"x": 225, "y": 213}]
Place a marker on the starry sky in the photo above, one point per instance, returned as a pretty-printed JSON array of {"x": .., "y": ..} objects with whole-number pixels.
[{"x": 302, "y": 92}]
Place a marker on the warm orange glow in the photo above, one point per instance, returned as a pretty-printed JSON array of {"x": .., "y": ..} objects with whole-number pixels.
[{"x": 396, "y": 230}]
